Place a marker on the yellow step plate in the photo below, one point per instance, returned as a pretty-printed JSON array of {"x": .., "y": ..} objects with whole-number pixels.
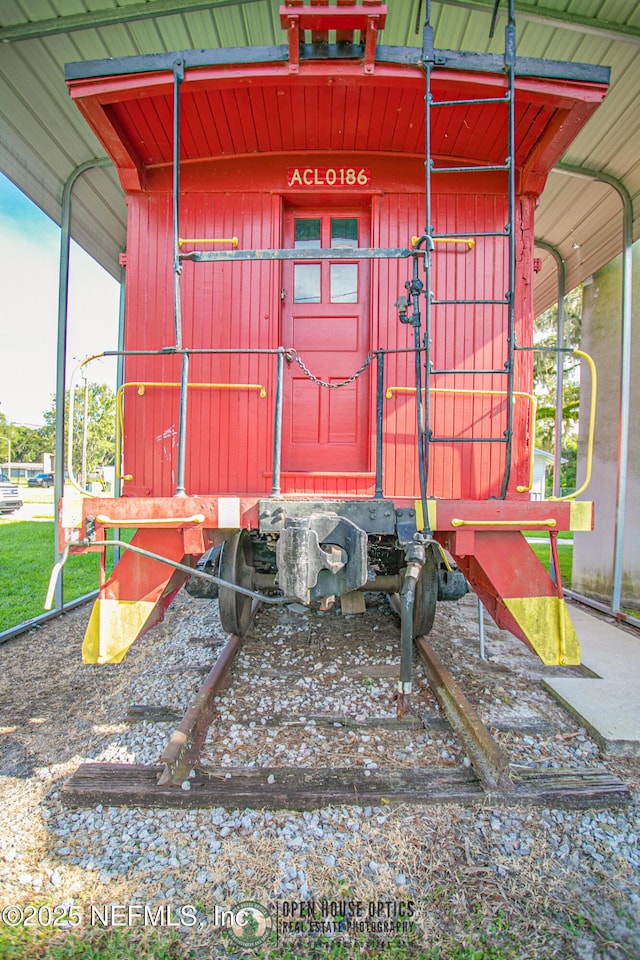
[
  {"x": 548, "y": 627},
  {"x": 113, "y": 627}
]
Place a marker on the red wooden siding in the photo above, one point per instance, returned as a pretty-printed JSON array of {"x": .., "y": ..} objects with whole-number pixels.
[
  {"x": 223, "y": 305},
  {"x": 229, "y": 445}
]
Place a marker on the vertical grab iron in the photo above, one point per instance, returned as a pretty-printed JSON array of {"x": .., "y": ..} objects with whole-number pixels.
[
  {"x": 428, "y": 60},
  {"x": 379, "y": 492},
  {"x": 178, "y": 77},
  {"x": 510, "y": 68}
]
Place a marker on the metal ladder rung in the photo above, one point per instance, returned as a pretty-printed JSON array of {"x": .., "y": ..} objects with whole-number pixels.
[
  {"x": 468, "y": 439},
  {"x": 482, "y": 169},
  {"x": 435, "y": 371},
  {"x": 481, "y": 303},
  {"x": 457, "y": 103},
  {"x": 506, "y": 234}
]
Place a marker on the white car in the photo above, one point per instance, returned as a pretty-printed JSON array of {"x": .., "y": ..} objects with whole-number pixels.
[{"x": 9, "y": 495}]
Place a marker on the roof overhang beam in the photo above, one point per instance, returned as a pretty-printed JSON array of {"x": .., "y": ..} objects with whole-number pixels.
[
  {"x": 164, "y": 8},
  {"x": 557, "y": 18},
  {"x": 406, "y": 56},
  {"x": 34, "y": 29}
]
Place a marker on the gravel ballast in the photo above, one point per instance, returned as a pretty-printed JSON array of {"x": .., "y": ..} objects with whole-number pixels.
[{"x": 306, "y": 690}]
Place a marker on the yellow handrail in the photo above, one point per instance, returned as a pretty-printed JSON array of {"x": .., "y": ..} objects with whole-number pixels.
[
  {"x": 468, "y": 241},
  {"x": 183, "y": 241},
  {"x": 142, "y": 385},
  {"x": 498, "y": 393},
  {"x": 148, "y": 521},
  {"x": 592, "y": 424},
  {"x": 457, "y": 522}
]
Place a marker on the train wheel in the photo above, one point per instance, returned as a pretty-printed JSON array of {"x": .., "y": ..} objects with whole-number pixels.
[
  {"x": 424, "y": 609},
  {"x": 236, "y": 567}
]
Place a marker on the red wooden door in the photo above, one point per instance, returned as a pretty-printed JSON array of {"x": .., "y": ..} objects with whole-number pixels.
[{"x": 325, "y": 318}]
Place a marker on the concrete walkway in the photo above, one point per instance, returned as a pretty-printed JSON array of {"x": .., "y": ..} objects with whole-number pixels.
[{"x": 607, "y": 704}]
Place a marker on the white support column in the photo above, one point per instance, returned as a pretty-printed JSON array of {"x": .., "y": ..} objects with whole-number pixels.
[{"x": 593, "y": 559}]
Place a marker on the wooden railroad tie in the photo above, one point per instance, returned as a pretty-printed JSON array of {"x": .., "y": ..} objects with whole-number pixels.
[{"x": 306, "y": 788}]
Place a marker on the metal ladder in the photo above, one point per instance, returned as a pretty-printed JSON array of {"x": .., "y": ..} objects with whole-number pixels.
[{"x": 429, "y": 59}]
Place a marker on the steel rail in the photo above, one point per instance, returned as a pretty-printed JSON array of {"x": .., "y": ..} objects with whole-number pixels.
[
  {"x": 183, "y": 750},
  {"x": 602, "y": 608},
  {"x": 489, "y": 760},
  {"x": 44, "y": 618}
]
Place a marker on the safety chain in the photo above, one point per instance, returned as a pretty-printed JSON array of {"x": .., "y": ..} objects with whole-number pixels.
[{"x": 294, "y": 355}]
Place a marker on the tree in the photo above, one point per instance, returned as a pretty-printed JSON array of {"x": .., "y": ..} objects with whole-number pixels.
[
  {"x": 100, "y": 427},
  {"x": 546, "y": 326},
  {"x": 28, "y": 444}
]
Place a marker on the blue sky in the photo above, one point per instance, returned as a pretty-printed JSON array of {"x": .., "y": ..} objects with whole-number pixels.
[{"x": 29, "y": 252}]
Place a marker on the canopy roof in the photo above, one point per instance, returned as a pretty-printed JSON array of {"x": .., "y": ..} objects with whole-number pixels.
[{"x": 43, "y": 137}]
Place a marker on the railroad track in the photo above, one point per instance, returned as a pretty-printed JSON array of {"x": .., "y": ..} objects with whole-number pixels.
[{"x": 327, "y": 702}]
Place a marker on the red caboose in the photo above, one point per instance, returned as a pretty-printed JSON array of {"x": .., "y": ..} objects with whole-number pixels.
[{"x": 328, "y": 365}]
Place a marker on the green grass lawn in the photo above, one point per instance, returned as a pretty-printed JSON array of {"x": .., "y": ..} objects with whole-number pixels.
[
  {"x": 543, "y": 532},
  {"x": 565, "y": 556},
  {"x": 26, "y": 561}
]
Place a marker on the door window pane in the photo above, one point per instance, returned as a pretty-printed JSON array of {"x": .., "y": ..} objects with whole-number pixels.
[
  {"x": 306, "y": 283},
  {"x": 307, "y": 233},
  {"x": 344, "y": 232},
  {"x": 344, "y": 283}
]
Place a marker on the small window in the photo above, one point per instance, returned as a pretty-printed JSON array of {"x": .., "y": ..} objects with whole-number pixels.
[
  {"x": 344, "y": 283},
  {"x": 344, "y": 232},
  {"x": 306, "y": 283},
  {"x": 307, "y": 234}
]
